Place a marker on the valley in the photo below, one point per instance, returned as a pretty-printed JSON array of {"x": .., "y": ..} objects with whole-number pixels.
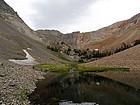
[{"x": 28, "y": 57}]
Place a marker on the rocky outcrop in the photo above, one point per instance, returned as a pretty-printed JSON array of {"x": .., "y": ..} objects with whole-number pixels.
[{"x": 52, "y": 37}]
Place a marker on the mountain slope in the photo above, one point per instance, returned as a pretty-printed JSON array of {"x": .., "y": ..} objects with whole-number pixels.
[
  {"x": 129, "y": 58},
  {"x": 15, "y": 36},
  {"x": 12, "y": 18}
]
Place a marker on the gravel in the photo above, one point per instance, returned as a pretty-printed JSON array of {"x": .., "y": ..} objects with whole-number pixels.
[{"x": 16, "y": 82}]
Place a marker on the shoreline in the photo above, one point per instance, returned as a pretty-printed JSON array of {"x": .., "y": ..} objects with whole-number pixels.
[
  {"x": 131, "y": 78},
  {"x": 17, "y": 81}
]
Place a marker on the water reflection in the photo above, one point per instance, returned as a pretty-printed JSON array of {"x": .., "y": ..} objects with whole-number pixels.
[{"x": 84, "y": 88}]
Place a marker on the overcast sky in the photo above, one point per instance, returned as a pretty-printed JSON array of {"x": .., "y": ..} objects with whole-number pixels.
[{"x": 74, "y": 15}]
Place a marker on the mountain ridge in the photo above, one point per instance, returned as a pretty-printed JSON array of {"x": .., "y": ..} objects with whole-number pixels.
[{"x": 95, "y": 39}]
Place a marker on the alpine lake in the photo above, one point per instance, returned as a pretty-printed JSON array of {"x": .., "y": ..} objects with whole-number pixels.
[{"x": 82, "y": 88}]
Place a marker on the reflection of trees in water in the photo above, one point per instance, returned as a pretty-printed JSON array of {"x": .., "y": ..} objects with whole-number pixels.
[{"x": 85, "y": 88}]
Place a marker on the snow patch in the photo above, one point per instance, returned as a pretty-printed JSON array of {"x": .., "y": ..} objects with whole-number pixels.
[
  {"x": 29, "y": 49},
  {"x": 29, "y": 61},
  {"x": 96, "y": 49}
]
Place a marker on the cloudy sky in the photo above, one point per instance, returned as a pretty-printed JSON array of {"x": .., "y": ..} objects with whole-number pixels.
[{"x": 74, "y": 15}]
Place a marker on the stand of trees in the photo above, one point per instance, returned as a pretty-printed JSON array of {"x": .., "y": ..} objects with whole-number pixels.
[{"x": 88, "y": 55}]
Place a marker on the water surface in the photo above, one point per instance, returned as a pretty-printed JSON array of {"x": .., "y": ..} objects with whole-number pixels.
[{"x": 83, "y": 89}]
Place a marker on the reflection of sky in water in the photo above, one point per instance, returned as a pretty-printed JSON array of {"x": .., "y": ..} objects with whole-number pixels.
[
  {"x": 71, "y": 103},
  {"x": 83, "y": 89}
]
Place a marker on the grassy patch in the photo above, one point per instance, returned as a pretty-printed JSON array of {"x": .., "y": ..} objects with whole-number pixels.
[
  {"x": 22, "y": 93},
  {"x": 67, "y": 67},
  {"x": 54, "y": 67},
  {"x": 98, "y": 69}
]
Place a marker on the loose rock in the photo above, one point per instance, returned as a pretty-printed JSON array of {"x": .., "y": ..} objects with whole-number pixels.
[{"x": 16, "y": 82}]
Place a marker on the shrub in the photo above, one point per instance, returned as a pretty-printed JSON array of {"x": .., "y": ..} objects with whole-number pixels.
[{"x": 136, "y": 42}]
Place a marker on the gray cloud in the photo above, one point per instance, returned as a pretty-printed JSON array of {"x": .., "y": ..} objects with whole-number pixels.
[{"x": 58, "y": 13}]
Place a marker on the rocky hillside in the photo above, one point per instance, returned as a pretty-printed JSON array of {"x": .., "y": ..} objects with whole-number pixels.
[
  {"x": 11, "y": 17},
  {"x": 114, "y": 35},
  {"x": 15, "y": 36},
  {"x": 108, "y": 37},
  {"x": 129, "y": 58}
]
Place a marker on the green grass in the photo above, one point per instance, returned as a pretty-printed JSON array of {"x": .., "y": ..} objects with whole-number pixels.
[
  {"x": 98, "y": 69},
  {"x": 22, "y": 93},
  {"x": 54, "y": 67},
  {"x": 66, "y": 68}
]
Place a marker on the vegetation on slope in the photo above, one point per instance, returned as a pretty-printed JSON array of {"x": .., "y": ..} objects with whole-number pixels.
[{"x": 88, "y": 54}]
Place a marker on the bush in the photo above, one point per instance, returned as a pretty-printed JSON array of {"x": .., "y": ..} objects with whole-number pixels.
[
  {"x": 136, "y": 42},
  {"x": 124, "y": 46}
]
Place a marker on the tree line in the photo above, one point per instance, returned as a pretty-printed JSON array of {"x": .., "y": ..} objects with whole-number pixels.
[{"x": 90, "y": 55}]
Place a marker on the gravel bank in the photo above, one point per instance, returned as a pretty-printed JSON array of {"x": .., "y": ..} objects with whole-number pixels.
[{"x": 15, "y": 82}]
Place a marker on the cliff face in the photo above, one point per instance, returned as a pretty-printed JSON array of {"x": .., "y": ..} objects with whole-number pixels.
[
  {"x": 52, "y": 37},
  {"x": 105, "y": 38}
]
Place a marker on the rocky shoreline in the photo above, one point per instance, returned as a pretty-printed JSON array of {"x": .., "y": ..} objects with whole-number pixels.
[{"x": 16, "y": 82}]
